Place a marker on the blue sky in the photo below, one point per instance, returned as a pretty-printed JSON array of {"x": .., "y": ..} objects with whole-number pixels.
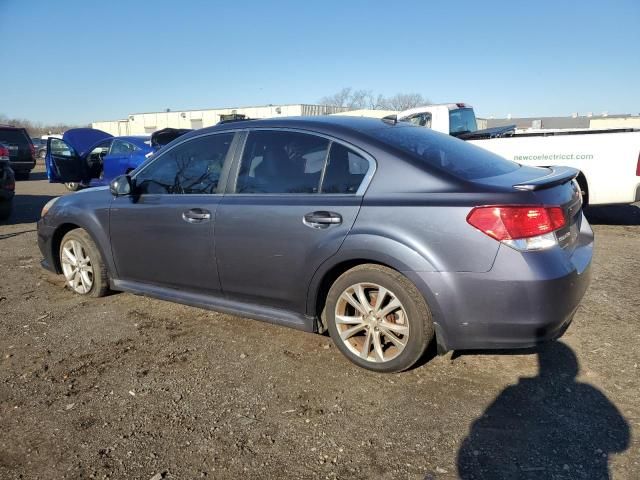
[{"x": 78, "y": 61}]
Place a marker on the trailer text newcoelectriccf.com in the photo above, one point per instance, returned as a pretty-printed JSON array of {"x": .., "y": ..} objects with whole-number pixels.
[{"x": 554, "y": 156}]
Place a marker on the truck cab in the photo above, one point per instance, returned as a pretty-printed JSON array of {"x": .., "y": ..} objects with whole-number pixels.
[{"x": 452, "y": 118}]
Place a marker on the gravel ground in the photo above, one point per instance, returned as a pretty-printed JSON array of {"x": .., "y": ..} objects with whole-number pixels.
[{"x": 132, "y": 387}]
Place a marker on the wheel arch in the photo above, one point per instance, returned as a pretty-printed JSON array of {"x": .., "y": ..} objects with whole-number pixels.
[
  {"x": 584, "y": 186},
  {"x": 387, "y": 252},
  {"x": 59, "y": 234}
]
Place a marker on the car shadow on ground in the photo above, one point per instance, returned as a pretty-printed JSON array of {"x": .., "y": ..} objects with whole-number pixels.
[
  {"x": 26, "y": 209},
  {"x": 548, "y": 426},
  {"x": 614, "y": 215},
  {"x": 34, "y": 176}
]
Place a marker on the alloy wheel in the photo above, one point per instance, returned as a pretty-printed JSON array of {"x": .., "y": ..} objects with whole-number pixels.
[
  {"x": 76, "y": 266},
  {"x": 372, "y": 322}
]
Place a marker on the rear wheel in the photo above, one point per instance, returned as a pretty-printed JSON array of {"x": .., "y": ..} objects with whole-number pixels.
[
  {"x": 82, "y": 264},
  {"x": 72, "y": 186},
  {"x": 22, "y": 175},
  {"x": 378, "y": 319}
]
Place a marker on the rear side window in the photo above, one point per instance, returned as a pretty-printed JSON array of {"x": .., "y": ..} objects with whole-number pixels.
[
  {"x": 14, "y": 137},
  {"x": 120, "y": 147},
  {"x": 345, "y": 170},
  {"x": 444, "y": 153},
  {"x": 193, "y": 167},
  {"x": 282, "y": 162}
]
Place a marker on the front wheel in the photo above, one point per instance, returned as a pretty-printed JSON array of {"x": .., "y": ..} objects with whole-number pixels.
[
  {"x": 378, "y": 319},
  {"x": 82, "y": 265}
]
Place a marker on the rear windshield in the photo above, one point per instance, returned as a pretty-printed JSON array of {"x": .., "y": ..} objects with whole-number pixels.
[
  {"x": 462, "y": 120},
  {"x": 445, "y": 153},
  {"x": 13, "y": 136}
]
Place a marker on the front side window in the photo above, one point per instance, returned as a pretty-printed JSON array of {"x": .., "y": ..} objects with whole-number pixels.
[
  {"x": 61, "y": 148},
  {"x": 193, "y": 167},
  {"x": 345, "y": 170},
  {"x": 420, "y": 119},
  {"x": 282, "y": 162}
]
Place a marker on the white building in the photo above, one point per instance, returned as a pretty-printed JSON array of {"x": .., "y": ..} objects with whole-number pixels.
[{"x": 146, "y": 123}]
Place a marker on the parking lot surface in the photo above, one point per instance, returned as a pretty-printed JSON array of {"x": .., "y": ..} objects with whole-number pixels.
[{"x": 131, "y": 387}]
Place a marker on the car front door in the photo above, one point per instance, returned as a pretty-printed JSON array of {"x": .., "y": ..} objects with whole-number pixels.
[
  {"x": 294, "y": 198},
  {"x": 163, "y": 234},
  {"x": 63, "y": 163}
]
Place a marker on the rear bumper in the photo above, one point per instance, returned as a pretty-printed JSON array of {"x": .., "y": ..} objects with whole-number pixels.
[
  {"x": 526, "y": 298},
  {"x": 23, "y": 166}
]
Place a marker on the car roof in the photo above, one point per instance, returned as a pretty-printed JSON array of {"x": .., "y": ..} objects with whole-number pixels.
[
  {"x": 138, "y": 140},
  {"x": 328, "y": 124}
]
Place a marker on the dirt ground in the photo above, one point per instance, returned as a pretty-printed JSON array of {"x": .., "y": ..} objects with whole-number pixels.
[{"x": 132, "y": 387}]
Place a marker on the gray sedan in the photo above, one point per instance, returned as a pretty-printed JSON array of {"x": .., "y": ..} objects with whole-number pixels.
[{"x": 387, "y": 235}]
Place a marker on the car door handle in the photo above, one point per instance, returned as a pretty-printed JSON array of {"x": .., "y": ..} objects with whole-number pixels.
[
  {"x": 322, "y": 219},
  {"x": 196, "y": 215}
]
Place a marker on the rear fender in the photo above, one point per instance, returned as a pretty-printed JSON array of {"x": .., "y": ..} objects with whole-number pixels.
[{"x": 366, "y": 248}]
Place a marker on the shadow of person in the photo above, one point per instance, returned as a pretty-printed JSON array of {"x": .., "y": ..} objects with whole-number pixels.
[{"x": 549, "y": 426}]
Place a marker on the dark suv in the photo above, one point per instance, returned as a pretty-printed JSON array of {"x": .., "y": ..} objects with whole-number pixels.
[
  {"x": 21, "y": 150},
  {"x": 7, "y": 183},
  {"x": 385, "y": 234}
]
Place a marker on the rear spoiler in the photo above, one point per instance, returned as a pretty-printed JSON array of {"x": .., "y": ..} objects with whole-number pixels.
[
  {"x": 166, "y": 135},
  {"x": 558, "y": 176}
]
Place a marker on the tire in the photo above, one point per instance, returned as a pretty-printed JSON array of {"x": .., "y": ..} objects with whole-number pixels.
[
  {"x": 72, "y": 186},
  {"x": 22, "y": 175},
  {"x": 79, "y": 244},
  {"x": 5, "y": 209},
  {"x": 375, "y": 331}
]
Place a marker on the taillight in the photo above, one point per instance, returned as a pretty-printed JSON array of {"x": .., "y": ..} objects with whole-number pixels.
[
  {"x": 638, "y": 166},
  {"x": 33, "y": 150},
  {"x": 521, "y": 227},
  {"x": 10, "y": 186},
  {"x": 4, "y": 151}
]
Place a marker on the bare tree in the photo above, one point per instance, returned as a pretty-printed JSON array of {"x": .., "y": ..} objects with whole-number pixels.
[
  {"x": 404, "y": 101},
  {"x": 36, "y": 129},
  {"x": 365, "y": 99},
  {"x": 339, "y": 99}
]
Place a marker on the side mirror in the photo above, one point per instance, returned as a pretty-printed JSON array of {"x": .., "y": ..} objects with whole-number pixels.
[{"x": 121, "y": 186}]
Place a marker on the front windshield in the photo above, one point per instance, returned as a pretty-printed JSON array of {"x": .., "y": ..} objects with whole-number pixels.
[{"x": 462, "y": 120}]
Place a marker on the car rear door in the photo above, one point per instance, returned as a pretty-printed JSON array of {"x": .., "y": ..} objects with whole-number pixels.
[
  {"x": 293, "y": 198},
  {"x": 163, "y": 234},
  {"x": 117, "y": 161}
]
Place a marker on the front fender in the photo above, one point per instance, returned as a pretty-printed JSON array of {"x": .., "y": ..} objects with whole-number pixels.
[{"x": 94, "y": 220}]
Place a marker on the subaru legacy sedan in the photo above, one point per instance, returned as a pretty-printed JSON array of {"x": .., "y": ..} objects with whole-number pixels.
[{"x": 388, "y": 235}]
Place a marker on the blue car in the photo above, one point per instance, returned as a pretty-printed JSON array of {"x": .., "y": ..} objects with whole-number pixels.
[{"x": 87, "y": 157}]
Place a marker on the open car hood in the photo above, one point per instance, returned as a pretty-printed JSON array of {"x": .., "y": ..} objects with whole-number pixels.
[
  {"x": 83, "y": 138},
  {"x": 166, "y": 135}
]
